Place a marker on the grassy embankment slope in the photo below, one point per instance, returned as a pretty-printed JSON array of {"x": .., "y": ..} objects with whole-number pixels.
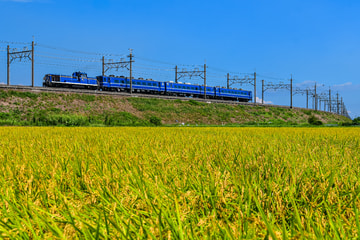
[{"x": 69, "y": 109}]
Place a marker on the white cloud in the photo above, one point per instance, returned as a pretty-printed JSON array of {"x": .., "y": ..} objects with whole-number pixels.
[
  {"x": 2, "y": 83},
  {"x": 344, "y": 84},
  {"x": 258, "y": 100},
  {"x": 348, "y": 86},
  {"x": 305, "y": 83}
]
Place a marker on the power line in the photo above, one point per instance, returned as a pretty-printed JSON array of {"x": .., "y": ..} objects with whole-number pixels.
[
  {"x": 68, "y": 59},
  {"x": 65, "y": 56},
  {"x": 77, "y": 51},
  {"x": 168, "y": 63},
  {"x": 15, "y": 43},
  {"x": 273, "y": 78},
  {"x": 156, "y": 69},
  {"x": 226, "y": 71}
]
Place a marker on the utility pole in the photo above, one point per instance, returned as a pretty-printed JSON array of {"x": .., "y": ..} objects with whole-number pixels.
[
  {"x": 307, "y": 98},
  {"x": 341, "y": 106},
  {"x": 337, "y": 103},
  {"x": 262, "y": 92},
  {"x": 291, "y": 92},
  {"x": 103, "y": 66},
  {"x": 205, "y": 80},
  {"x": 255, "y": 88},
  {"x": 32, "y": 64},
  {"x": 228, "y": 81},
  {"x": 176, "y": 70},
  {"x": 315, "y": 99},
  {"x": 329, "y": 99},
  {"x": 8, "y": 65},
  {"x": 130, "y": 56}
]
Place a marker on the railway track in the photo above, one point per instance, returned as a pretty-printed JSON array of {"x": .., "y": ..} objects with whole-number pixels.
[{"x": 135, "y": 94}]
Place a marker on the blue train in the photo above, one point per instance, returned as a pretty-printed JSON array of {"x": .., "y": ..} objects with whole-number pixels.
[{"x": 140, "y": 85}]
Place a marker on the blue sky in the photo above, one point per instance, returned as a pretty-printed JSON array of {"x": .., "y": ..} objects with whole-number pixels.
[{"x": 315, "y": 41}]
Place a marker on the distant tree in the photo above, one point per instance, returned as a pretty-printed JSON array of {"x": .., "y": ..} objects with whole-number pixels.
[
  {"x": 356, "y": 121},
  {"x": 314, "y": 121},
  {"x": 155, "y": 120}
]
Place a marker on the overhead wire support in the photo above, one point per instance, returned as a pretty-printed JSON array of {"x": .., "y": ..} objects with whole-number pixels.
[
  {"x": 127, "y": 64},
  {"x": 306, "y": 92},
  {"x": 278, "y": 86},
  {"x": 196, "y": 72},
  {"x": 20, "y": 55},
  {"x": 246, "y": 79},
  {"x": 323, "y": 98},
  {"x": 114, "y": 65}
]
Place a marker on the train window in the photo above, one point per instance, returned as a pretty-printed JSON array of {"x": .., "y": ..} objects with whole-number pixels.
[{"x": 122, "y": 81}]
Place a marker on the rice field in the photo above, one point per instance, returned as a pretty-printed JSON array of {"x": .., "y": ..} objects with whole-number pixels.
[{"x": 179, "y": 183}]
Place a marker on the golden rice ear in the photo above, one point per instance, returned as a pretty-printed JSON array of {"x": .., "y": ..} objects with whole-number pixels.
[{"x": 179, "y": 182}]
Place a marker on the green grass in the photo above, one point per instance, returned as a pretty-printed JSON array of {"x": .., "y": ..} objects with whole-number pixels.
[
  {"x": 10, "y": 93},
  {"x": 42, "y": 109}
]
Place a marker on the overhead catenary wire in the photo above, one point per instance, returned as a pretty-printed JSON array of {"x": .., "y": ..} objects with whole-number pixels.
[
  {"x": 273, "y": 78},
  {"x": 65, "y": 56},
  {"x": 168, "y": 63},
  {"x": 15, "y": 43},
  {"x": 157, "y": 67},
  {"x": 80, "y": 52},
  {"x": 69, "y": 59},
  {"x": 226, "y": 71}
]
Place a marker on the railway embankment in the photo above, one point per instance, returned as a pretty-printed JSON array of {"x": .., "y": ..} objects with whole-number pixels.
[{"x": 29, "y": 108}]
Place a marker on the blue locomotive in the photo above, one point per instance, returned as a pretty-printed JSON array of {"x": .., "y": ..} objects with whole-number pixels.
[{"x": 140, "y": 85}]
